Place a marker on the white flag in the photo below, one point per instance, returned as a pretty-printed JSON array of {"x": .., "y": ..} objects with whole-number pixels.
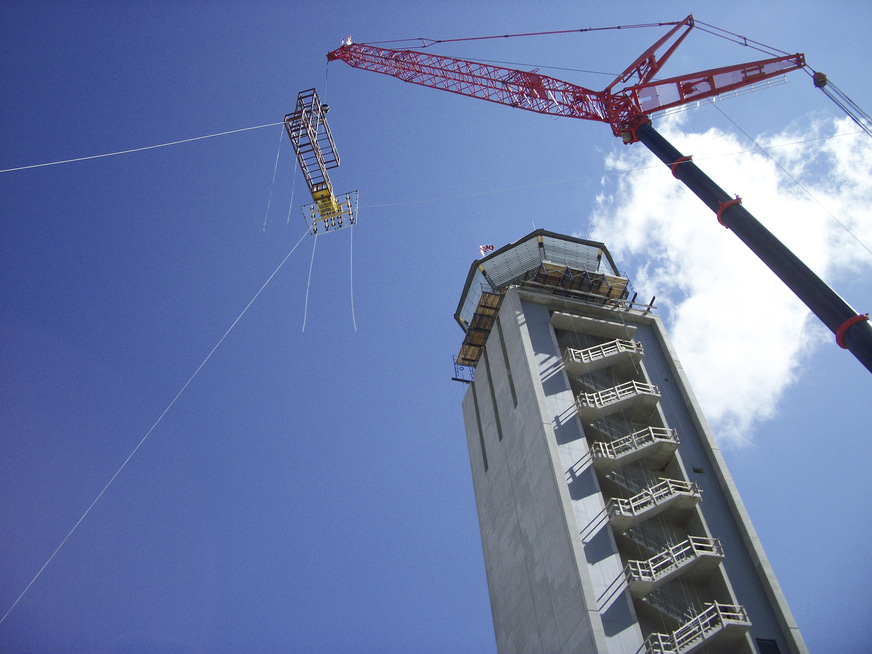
[{"x": 484, "y": 249}]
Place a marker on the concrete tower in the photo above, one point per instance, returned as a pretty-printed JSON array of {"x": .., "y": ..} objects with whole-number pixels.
[{"x": 609, "y": 520}]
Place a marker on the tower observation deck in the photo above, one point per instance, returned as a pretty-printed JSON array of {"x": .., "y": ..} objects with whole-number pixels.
[{"x": 542, "y": 260}]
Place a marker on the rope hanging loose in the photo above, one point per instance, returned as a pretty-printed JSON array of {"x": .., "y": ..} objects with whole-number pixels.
[
  {"x": 351, "y": 272},
  {"x": 149, "y": 432},
  {"x": 293, "y": 183},
  {"x": 309, "y": 282},
  {"x": 272, "y": 186}
]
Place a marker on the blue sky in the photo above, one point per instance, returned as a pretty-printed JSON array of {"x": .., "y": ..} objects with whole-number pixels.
[{"x": 310, "y": 490}]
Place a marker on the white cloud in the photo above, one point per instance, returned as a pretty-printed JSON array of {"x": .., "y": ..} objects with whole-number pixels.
[{"x": 739, "y": 332}]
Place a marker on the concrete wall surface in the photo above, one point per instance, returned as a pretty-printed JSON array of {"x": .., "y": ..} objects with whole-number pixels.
[{"x": 555, "y": 571}]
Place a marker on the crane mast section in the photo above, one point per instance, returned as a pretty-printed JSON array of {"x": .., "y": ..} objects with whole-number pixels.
[{"x": 515, "y": 88}]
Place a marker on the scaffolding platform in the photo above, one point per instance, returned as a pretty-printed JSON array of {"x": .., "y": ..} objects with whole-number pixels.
[{"x": 479, "y": 328}]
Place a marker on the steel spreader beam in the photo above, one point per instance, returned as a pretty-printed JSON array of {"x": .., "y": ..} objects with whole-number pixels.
[{"x": 852, "y": 331}]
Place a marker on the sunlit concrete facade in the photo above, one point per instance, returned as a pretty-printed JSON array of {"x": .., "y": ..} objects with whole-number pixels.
[{"x": 609, "y": 521}]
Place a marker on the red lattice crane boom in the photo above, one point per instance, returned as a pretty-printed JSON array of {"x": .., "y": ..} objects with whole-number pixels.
[
  {"x": 623, "y": 108},
  {"x": 626, "y": 109}
]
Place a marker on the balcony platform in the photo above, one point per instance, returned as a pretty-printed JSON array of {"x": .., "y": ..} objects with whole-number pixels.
[
  {"x": 697, "y": 556},
  {"x": 654, "y": 444},
  {"x": 636, "y": 399},
  {"x": 718, "y": 627},
  {"x": 668, "y": 494},
  {"x": 620, "y": 353}
]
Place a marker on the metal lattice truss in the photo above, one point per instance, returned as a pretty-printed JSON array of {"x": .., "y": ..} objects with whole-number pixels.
[
  {"x": 316, "y": 153},
  {"x": 622, "y": 106}
]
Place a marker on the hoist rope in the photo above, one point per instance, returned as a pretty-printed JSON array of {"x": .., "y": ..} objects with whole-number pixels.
[
  {"x": 272, "y": 186},
  {"x": 426, "y": 42},
  {"x": 147, "y": 147},
  {"x": 700, "y": 25},
  {"x": 738, "y": 38},
  {"x": 846, "y": 104},
  {"x": 795, "y": 181},
  {"x": 309, "y": 282},
  {"x": 151, "y": 429}
]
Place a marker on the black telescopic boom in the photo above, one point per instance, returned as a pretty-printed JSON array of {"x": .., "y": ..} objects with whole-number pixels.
[{"x": 853, "y": 332}]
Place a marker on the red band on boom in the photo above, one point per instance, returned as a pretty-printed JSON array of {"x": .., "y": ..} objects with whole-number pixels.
[
  {"x": 723, "y": 206},
  {"x": 853, "y": 320},
  {"x": 675, "y": 163}
]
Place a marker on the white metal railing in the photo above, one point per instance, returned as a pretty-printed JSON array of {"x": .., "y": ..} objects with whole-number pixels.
[
  {"x": 632, "y": 442},
  {"x": 602, "y": 351},
  {"x": 698, "y": 629},
  {"x": 672, "y": 557},
  {"x": 651, "y": 497},
  {"x": 616, "y": 393}
]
